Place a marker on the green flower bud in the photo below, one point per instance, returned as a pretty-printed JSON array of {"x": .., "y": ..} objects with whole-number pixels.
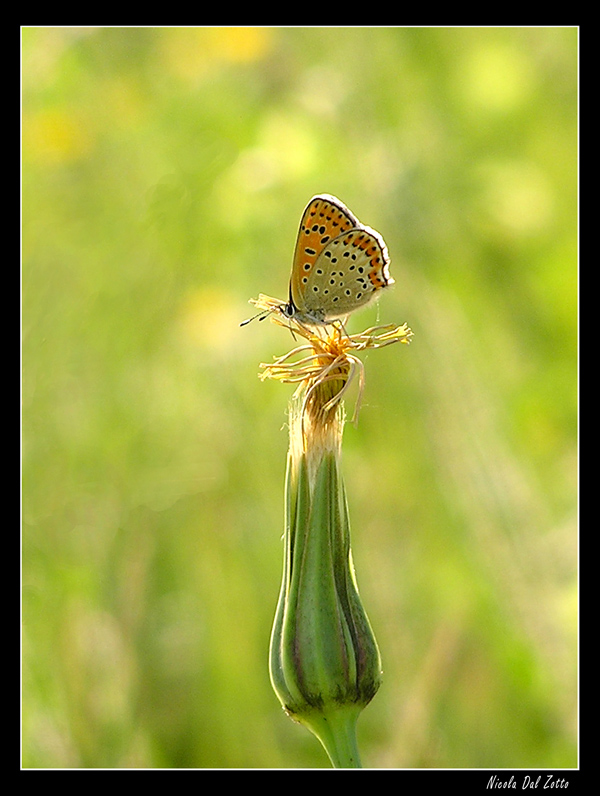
[{"x": 324, "y": 661}]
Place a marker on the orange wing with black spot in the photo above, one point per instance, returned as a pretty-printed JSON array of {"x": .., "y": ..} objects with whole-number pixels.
[
  {"x": 339, "y": 264},
  {"x": 324, "y": 219}
]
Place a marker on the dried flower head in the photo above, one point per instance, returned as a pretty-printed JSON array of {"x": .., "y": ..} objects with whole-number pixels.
[{"x": 328, "y": 358}]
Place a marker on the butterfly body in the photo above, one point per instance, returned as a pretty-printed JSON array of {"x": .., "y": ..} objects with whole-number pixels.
[{"x": 339, "y": 264}]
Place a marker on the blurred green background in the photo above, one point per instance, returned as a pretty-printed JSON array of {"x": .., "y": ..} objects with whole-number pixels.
[{"x": 164, "y": 172}]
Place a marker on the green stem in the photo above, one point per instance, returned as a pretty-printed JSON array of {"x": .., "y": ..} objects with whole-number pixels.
[{"x": 336, "y": 729}]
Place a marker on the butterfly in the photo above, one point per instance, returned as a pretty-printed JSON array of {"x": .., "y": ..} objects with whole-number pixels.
[{"x": 339, "y": 264}]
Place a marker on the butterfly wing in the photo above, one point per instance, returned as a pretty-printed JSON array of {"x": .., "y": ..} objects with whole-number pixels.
[
  {"x": 347, "y": 275},
  {"x": 323, "y": 220}
]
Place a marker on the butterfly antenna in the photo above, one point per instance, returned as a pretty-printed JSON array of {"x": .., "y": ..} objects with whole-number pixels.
[{"x": 260, "y": 315}]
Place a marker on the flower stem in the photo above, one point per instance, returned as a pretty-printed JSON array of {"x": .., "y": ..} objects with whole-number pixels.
[{"x": 336, "y": 730}]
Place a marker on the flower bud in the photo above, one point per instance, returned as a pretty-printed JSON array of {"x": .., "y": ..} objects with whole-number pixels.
[{"x": 324, "y": 661}]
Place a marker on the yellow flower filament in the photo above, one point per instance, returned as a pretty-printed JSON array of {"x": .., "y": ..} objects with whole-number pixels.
[{"x": 325, "y": 369}]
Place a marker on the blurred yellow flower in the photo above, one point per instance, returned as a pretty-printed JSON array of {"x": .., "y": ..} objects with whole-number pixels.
[
  {"x": 54, "y": 136},
  {"x": 241, "y": 44},
  {"x": 191, "y": 53},
  {"x": 496, "y": 77}
]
